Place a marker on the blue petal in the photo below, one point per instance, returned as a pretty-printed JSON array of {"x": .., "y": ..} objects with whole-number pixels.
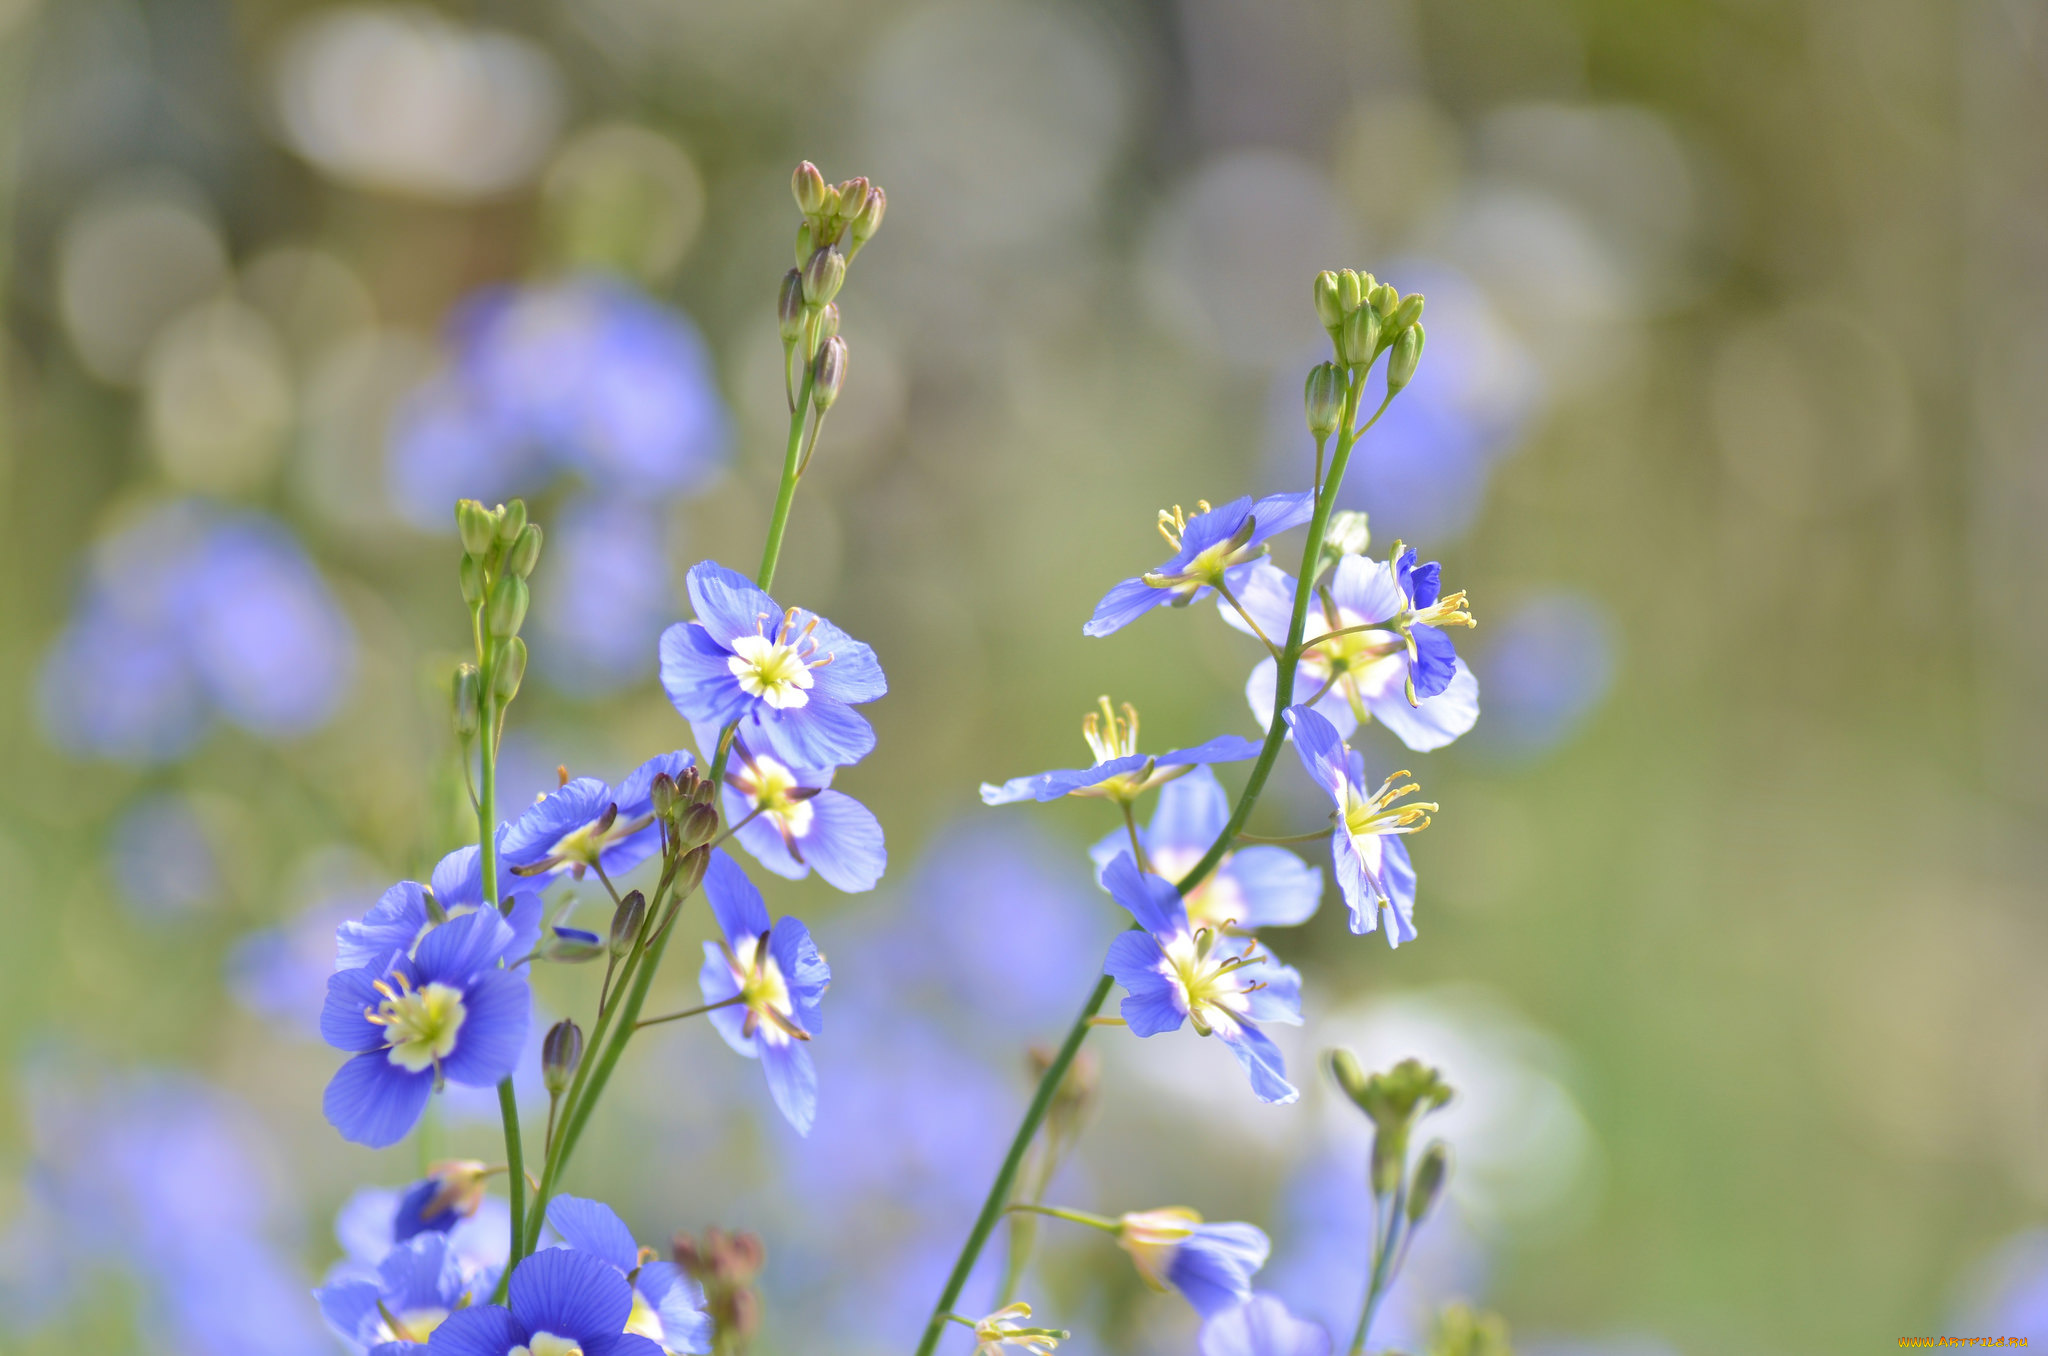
[
  {"x": 525, "y": 921},
  {"x": 792, "y": 1081},
  {"x": 458, "y": 877},
  {"x": 824, "y": 732},
  {"x": 1279, "y": 889},
  {"x": 728, "y": 603},
  {"x": 1151, "y": 1007},
  {"x": 484, "y": 1330},
  {"x": 803, "y": 969},
  {"x": 1397, "y": 874},
  {"x": 1122, "y": 605},
  {"x": 1262, "y": 1063},
  {"x": 854, "y": 675},
  {"x": 462, "y": 946},
  {"x": 1278, "y": 512},
  {"x": 1259, "y": 691},
  {"x": 715, "y": 982},
  {"x": 1049, "y": 786},
  {"x": 1267, "y": 592},
  {"x": 1438, "y": 720},
  {"x": 762, "y": 839},
  {"x": 1191, "y": 813},
  {"x": 1322, "y": 751},
  {"x": 1278, "y": 999},
  {"x": 1204, "y": 530},
  {"x": 1436, "y": 659},
  {"x": 563, "y": 810},
  {"x": 493, "y": 1033},
  {"x": 845, "y": 843},
  {"x": 1214, "y": 1268},
  {"x": 635, "y": 795},
  {"x": 570, "y": 1294},
  {"x": 1262, "y": 1326},
  {"x": 734, "y": 900},
  {"x": 624, "y": 1344},
  {"x": 1221, "y": 749},
  {"x": 350, "y": 993},
  {"x": 372, "y": 1101},
  {"x": 1425, "y": 582},
  {"x": 1151, "y": 900},
  {"x": 350, "y": 1308},
  {"x": 697, "y": 678},
  {"x": 392, "y": 924},
  {"x": 679, "y": 1301},
  {"x": 421, "y": 1273},
  {"x": 1367, "y": 589},
  {"x": 1355, "y": 883},
  {"x": 595, "y": 1228}
]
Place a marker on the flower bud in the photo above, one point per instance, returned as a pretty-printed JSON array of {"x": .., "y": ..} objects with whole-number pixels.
[
  {"x": 508, "y": 669},
  {"x": 1349, "y": 532},
  {"x": 1323, "y": 399},
  {"x": 1359, "y": 341},
  {"x": 560, "y": 1052},
  {"x": 1350, "y": 294},
  {"x": 808, "y": 187},
  {"x": 823, "y": 273},
  {"x": 690, "y": 874},
  {"x": 699, "y": 826},
  {"x": 626, "y": 921},
  {"x": 829, "y": 374},
  {"x": 868, "y": 219},
  {"x": 1409, "y": 311},
  {"x": 852, "y": 194},
  {"x": 821, "y": 325},
  {"x": 1344, "y": 1069},
  {"x": 1329, "y": 305},
  {"x": 789, "y": 305},
  {"x": 804, "y": 248},
  {"x": 1431, "y": 1170},
  {"x": 524, "y": 553},
  {"x": 1384, "y": 298},
  {"x": 662, "y": 795},
  {"x": 511, "y": 521},
  {"x": 509, "y": 597},
  {"x": 477, "y": 524},
  {"x": 570, "y": 946},
  {"x": 701, "y": 789},
  {"x": 472, "y": 579},
  {"x": 1406, "y": 354},
  {"x": 468, "y": 708}
]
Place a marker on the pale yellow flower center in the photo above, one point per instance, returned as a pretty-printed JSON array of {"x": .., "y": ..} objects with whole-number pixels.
[{"x": 420, "y": 1024}]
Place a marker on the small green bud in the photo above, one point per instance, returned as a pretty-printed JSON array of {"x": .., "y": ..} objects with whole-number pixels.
[
  {"x": 804, "y": 248},
  {"x": 1384, "y": 298},
  {"x": 789, "y": 306},
  {"x": 1406, "y": 354},
  {"x": 1329, "y": 305},
  {"x": 1409, "y": 311},
  {"x": 468, "y": 709},
  {"x": 472, "y": 579},
  {"x": 1349, "y": 533},
  {"x": 509, "y": 597},
  {"x": 435, "y": 913},
  {"x": 808, "y": 187},
  {"x": 524, "y": 553},
  {"x": 1359, "y": 342},
  {"x": 1350, "y": 294},
  {"x": 819, "y": 326},
  {"x": 701, "y": 789},
  {"x": 1346, "y": 1073},
  {"x": 1431, "y": 1171},
  {"x": 508, "y": 669},
  {"x": 626, "y": 921},
  {"x": 511, "y": 521},
  {"x": 560, "y": 1052},
  {"x": 698, "y": 827},
  {"x": 690, "y": 874},
  {"x": 569, "y": 946},
  {"x": 1322, "y": 399},
  {"x": 852, "y": 195},
  {"x": 829, "y": 374},
  {"x": 477, "y": 525},
  {"x": 823, "y": 273},
  {"x": 868, "y": 219},
  {"x": 662, "y": 795}
]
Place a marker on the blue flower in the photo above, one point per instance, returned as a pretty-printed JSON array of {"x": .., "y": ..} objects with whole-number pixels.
[
  {"x": 1174, "y": 973},
  {"x": 1213, "y": 549},
  {"x": 375, "y": 1220},
  {"x": 1251, "y": 888},
  {"x": 1262, "y": 1326},
  {"x": 415, "y": 1288},
  {"x": 400, "y": 919},
  {"x": 668, "y": 1306},
  {"x": 562, "y": 1302},
  {"x": 1120, "y": 772},
  {"x": 777, "y": 977},
  {"x": 585, "y": 823},
  {"x": 1400, "y": 669},
  {"x": 1210, "y": 1264},
  {"x": 1373, "y": 870},
  {"x": 791, "y": 679},
  {"x": 1549, "y": 665},
  {"x": 792, "y": 821},
  {"x": 600, "y": 605},
  {"x": 448, "y": 1011}
]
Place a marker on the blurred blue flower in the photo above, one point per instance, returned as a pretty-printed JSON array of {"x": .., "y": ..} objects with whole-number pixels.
[
  {"x": 1549, "y": 663},
  {"x": 2010, "y": 1291},
  {"x": 1119, "y": 772},
  {"x": 189, "y": 614},
  {"x": 585, "y": 823},
  {"x": 600, "y": 605},
  {"x": 377, "y": 1219},
  {"x": 586, "y": 375},
  {"x": 1215, "y": 547},
  {"x": 1374, "y": 872},
  {"x": 414, "y": 1289},
  {"x": 280, "y": 973},
  {"x": 668, "y": 1306},
  {"x": 1262, "y": 1326},
  {"x": 777, "y": 978},
  {"x": 562, "y": 1301},
  {"x": 163, "y": 862},
  {"x": 1210, "y": 1264},
  {"x": 792, "y": 821}
]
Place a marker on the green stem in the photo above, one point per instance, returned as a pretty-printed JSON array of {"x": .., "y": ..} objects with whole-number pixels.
[
  {"x": 1383, "y": 1255},
  {"x": 487, "y": 867},
  {"x": 791, "y": 472},
  {"x": 1048, "y": 1085},
  {"x": 1101, "y": 1222},
  {"x": 697, "y": 1011}
]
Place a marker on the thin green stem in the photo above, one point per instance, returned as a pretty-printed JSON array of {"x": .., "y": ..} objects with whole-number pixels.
[
  {"x": 1317, "y": 836},
  {"x": 1383, "y": 1256},
  {"x": 489, "y": 726},
  {"x": 791, "y": 468},
  {"x": 697, "y": 1011},
  {"x": 1137, "y": 844},
  {"x": 1071, "y": 1216}
]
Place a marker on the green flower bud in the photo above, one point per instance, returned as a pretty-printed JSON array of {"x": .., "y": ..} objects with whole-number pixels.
[
  {"x": 663, "y": 795},
  {"x": 1409, "y": 311},
  {"x": 1345, "y": 1071},
  {"x": 808, "y": 187},
  {"x": 853, "y": 195},
  {"x": 1359, "y": 341},
  {"x": 508, "y": 668},
  {"x": 829, "y": 373},
  {"x": 560, "y": 1052},
  {"x": 698, "y": 827},
  {"x": 524, "y": 553},
  {"x": 868, "y": 219},
  {"x": 690, "y": 874},
  {"x": 701, "y": 789},
  {"x": 1406, "y": 354},
  {"x": 626, "y": 921},
  {"x": 821, "y": 325},
  {"x": 1350, "y": 292},
  {"x": 509, "y": 598},
  {"x": 1431, "y": 1171},
  {"x": 823, "y": 273},
  {"x": 477, "y": 524},
  {"x": 511, "y": 521},
  {"x": 1329, "y": 305},
  {"x": 1322, "y": 399},
  {"x": 1384, "y": 298},
  {"x": 1349, "y": 533},
  {"x": 569, "y": 946},
  {"x": 468, "y": 709}
]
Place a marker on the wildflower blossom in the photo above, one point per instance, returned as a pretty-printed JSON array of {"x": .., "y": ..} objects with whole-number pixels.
[
  {"x": 449, "y": 1201},
  {"x": 1120, "y": 772},
  {"x": 771, "y": 978},
  {"x": 1250, "y": 888},
  {"x": 668, "y": 1306},
  {"x": 401, "y": 918},
  {"x": 1374, "y": 649},
  {"x": 1262, "y": 1326},
  {"x": 790, "y": 678},
  {"x": 1174, "y": 973},
  {"x": 1373, "y": 869},
  {"x": 561, "y": 1302},
  {"x": 415, "y": 1288},
  {"x": 587, "y": 823},
  {"x": 792, "y": 822},
  {"x": 1001, "y": 1329},
  {"x": 1212, "y": 550},
  {"x": 1210, "y": 1264},
  {"x": 447, "y": 1011}
]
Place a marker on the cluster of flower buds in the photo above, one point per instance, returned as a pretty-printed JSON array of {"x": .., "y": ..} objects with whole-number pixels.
[
  {"x": 1364, "y": 318},
  {"x": 499, "y": 550},
  {"x": 850, "y": 213},
  {"x": 726, "y": 1265},
  {"x": 1463, "y": 1331},
  {"x": 686, "y": 807},
  {"x": 1395, "y": 1101}
]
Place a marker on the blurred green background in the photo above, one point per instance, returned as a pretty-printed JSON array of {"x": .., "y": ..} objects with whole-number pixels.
[{"x": 1751, "y": 381}]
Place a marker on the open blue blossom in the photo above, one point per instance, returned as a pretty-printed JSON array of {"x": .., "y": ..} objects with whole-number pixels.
[
  {"x": 416, "y": 1287},
  {"x": 561, "y": 1302},
  {"x": 791, "y": 679},
  {"x": 668, "y": 1306},
  {"x": 449, "y": 1201},
  {"x": 586, "y": 823},
  {"x": 1174, "y": 974},
  {"x": 1251, "y": 888},
  {"x": 1262, "y": 1326},
  {"x": 1120, "y": 772},
  {"x": 772, "y": 978},
  {"x": 1210, "y": 1264},
  {"x": 792, "y": 821},
  {"x": 1211, "y": 550},
  {"x": 1373, "y": 870},
  {"x": 1374, "y": 649},
  {"x": 400, "y": 919},
  {"x": 447, "y": 1011}
]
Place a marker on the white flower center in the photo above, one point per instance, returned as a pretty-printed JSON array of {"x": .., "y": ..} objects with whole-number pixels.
[
  {"x": 547, "y": 1344},
  {"x": 763, "y": 991},
  {"x": 767, "y": 784},
  {"x": 770, "y": 670},
  {"x": 419, "y": 1024},
  {"x": 644, "y": 1320},
  {"x": 412, "y": 1325},
  {"x": 1360, "y": 664},
  {"x": 1203, "y": 969}
]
